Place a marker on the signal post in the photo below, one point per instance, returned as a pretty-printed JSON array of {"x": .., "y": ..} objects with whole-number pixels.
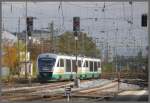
[
  {"x": 76, "y": 29},
  {"x": 29, "y": 30}
]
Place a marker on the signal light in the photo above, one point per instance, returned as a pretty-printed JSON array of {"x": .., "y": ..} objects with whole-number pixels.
[
  {"x": 29, "y": 21},
  {"x": 76, "y": 24},
  {"x": 144, "y": 20}
]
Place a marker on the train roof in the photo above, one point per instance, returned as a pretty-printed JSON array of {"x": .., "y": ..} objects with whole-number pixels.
[{"x": 66, "y": 56}]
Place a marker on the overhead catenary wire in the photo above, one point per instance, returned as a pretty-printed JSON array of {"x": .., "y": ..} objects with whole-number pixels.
[{"x": 95, "y": 6}]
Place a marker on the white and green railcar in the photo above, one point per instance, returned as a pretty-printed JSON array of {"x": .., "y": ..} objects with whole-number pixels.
[{"x": 63, "y": 67}]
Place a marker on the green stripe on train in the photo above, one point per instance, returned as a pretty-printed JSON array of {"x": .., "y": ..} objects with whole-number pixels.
[{"x": 72, "y": 76}]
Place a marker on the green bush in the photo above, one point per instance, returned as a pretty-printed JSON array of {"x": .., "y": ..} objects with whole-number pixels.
[{"x": 108, "y": 68}]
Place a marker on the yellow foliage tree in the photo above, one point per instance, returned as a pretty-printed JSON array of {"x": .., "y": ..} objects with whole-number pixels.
[{"x": 10, "y": 57}]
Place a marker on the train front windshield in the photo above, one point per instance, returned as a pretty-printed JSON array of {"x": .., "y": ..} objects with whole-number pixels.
[{"x": 46, "y": 64}]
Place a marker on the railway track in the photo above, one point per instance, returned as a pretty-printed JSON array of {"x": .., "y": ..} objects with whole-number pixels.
[
  {"x": 34, "y": 88},
  {"x": 54, "y": 91},
  {"x": 37, "y": 87},
  {"x": 31, "y": 93},
  {"x": 93, "y": 93},
  {"x": 36, "y": 92},
  {"x": 98, "y": 92}
]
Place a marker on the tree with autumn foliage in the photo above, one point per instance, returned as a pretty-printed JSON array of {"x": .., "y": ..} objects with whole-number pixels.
[
  {"x": 86, "y": 45},
  {"x": 35, "y": 49},
  {"x": 10, "y": 57},
  {"x": 65, "y": 43}
]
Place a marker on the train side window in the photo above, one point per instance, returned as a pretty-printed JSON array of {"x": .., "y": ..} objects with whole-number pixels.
[
  {"x": 98, "y": 64},
  {"x": 61, "y": 63},
  {"x": 74, "y": 65},
  {"x": 68, "y": 65},
  {"x": 95, "y": 66},
  {"x": 91, "y": 66},
  {"x": 79, "y": 63},
  {"x": 58, "y": 64},
  {"x": 86, "y": 63}
]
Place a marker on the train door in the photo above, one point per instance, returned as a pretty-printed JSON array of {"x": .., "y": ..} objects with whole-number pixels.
[
  {"x": 68, "y": 65},
  {"x": 79, "y": 70},
  {"x": 87, "y": 68},
  {"x": 91, "y": 69},
  {"x": 95, "y": 66},
  {"x": 96, "y": 74},
  {"x": 59, "y": 69},
  {"x": 99, "y": 66},
  {"x": 68, "y": 68},
  {"x": 74, "y": 68}
]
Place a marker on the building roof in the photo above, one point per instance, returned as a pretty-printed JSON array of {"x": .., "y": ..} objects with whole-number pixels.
[{"x": 8, "y": 36}]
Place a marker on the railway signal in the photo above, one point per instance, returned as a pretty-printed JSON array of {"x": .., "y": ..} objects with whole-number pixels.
[
  {"x": 144, "y": 20},
  {"x": 29, "y": 21},
  {"x": 76, "y": 29},
  {"x": 68, "y": 92},
  {"x": 76, "y": 24}
]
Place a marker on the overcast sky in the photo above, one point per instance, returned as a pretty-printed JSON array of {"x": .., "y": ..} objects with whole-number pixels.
[{"x": 98, "y": 19}]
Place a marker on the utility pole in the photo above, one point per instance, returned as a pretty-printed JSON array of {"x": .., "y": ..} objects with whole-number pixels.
[
  {"x": 83, "y": 36},
  {"x": 68, "y": 44},
  {"x": 40, "y": 42},
  {"x": 118, "y": 76},
  {"x": 117, "y": 69},
  {"x": 56, "y": 40},
  {"x": 18, "y": 45},
  {"x": 51, "y": 27},
  {"x": 107, "y": 52},
  {"x": 26, "y": 76},
  {"x": 96, "y": 45},
  {"x": 149, "y": 38},
  {"x": 0, "y": 48}
]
